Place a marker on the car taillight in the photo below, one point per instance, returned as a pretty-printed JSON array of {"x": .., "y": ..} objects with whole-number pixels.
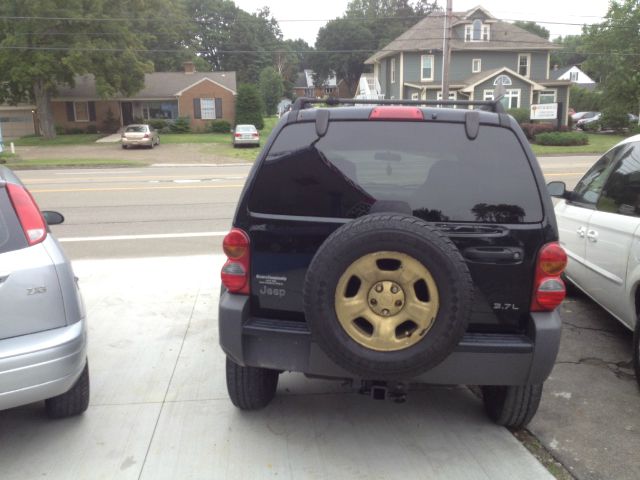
[
  {"x": 256, "y": 135},
  {"x": 238, "y": 135},
  {"x": 32, "y": 221},
  {"x": 146, "y": 135},
  {"x": 235, "y": 271},
  {"x": 396, "y": 113},
  {"x": 548, "y": 288}
]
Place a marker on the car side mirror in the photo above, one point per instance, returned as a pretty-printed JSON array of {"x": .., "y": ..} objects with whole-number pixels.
[
  {"x": 53, "y": 218},
  {"x": 557, "y": 189}
]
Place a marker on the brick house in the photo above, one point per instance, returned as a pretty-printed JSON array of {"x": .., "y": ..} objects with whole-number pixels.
[{"x": 201, "y": 96}]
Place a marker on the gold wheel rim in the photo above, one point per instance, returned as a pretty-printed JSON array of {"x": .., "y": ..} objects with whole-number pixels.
[{"x": 386, "y": 301}]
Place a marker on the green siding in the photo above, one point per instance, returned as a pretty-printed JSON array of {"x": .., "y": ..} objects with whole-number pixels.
[
  {"x": 412, "y": 64},
  {"x": 539, "y": 66}
]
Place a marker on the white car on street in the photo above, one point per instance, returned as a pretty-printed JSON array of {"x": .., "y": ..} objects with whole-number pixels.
[{"x": 599, "y": 226}]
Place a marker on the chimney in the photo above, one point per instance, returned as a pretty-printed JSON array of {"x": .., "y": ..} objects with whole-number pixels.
[{"x": 189, "y": 67}]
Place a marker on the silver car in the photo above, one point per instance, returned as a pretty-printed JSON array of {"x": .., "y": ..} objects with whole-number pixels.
[
  {"x": 140, "y": 135},
  {"x": 43, "y": 333},
  {"x": 246, "y": 135}
]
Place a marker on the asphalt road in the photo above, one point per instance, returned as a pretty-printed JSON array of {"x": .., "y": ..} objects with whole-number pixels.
[{"x": 166, "y": 211}]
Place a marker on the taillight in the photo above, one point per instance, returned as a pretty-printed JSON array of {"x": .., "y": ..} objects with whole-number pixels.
[
  {"x": 238, "y": 135},
  {"x": 256, "y": 135},
  {"x": 396, "y": 113},
  {"x": 146, "y": 135},
  {"x": 235, "y": 271},
  {"x": 33, "y": 224},
  {"x": 548, "y": 288}
]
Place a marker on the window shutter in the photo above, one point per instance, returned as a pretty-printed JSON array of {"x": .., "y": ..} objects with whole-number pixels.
[
  {"x": 92, "y": 111},
  {"x": 196, "y": 108},
  {"x": 70, "y": 115},
  {"x": 218, "y": 108}
]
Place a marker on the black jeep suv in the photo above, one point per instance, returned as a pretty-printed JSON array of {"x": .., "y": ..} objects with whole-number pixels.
[{"x": 391, "y": 244}]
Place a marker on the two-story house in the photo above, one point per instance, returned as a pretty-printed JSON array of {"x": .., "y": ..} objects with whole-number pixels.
[{"x": 485, "y": 52}]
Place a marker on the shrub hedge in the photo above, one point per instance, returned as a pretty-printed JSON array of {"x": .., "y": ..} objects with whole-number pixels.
[
  {"x": 562, "y": 139},
  {"x": 219, "y": 126},
  {"x": 181, "y": 125}
]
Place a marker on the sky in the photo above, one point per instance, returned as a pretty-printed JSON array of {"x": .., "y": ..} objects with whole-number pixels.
[{"x": 317, "y": 13}]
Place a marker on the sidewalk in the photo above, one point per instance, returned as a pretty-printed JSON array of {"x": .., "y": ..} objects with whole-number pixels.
[{"x": 160, "y": 410}]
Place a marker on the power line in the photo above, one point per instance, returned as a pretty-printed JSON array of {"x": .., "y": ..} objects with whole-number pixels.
[{"x": 141, "y": 50}]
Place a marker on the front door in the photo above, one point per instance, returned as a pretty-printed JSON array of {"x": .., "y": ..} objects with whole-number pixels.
[{"x": 127, "y": 113}]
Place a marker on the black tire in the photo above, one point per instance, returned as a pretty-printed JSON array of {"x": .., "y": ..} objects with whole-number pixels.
[
  {"x": 511, "y": 406},
  {"x": 398, "y": 233},
  {"x": 73, "y": 402},
  {"x": 124, "y": 147},
  {"x": 250, "y": 388},
  {"x": 636, "y": 351}
]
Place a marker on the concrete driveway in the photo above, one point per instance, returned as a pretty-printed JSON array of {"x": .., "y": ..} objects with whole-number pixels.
[{"x": 159, "y": 407}]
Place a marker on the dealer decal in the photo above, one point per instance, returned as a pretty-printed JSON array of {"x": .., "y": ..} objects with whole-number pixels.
[{"x": 271, "y": 285}]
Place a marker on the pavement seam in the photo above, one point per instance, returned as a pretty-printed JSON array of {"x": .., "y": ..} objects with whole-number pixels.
[{"x": 166, "y": 393}]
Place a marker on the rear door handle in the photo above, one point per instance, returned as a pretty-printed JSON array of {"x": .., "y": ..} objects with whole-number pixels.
[
  {"x": 494, "y": 254},
  {"x": 581, "y": 232},
  {"x": 592, "y": 235}
]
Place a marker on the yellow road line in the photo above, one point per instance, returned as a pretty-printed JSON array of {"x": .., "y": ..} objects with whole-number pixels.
[
  {"x": 172, "y": 187},
  {"x": 141, "y": 177}
]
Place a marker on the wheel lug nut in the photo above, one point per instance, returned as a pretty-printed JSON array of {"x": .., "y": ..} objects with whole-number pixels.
[
  {"x": 385, "y": 312},
  {"x": 394, "y": 289},
  {"x": 379, "y": 288},
  {"x": 398, "y": 303},
  {"x": 373, "y": 301}
]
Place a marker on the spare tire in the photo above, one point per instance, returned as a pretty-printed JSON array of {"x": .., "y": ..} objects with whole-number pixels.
[{"x": 387, "y": 296}]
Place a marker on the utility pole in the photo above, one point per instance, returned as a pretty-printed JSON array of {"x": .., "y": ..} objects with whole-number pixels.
[{"x": 446, "y": 52}]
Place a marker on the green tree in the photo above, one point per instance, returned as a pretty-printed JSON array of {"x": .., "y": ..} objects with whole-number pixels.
[
  {"x": 571, "y": 52},
  {"x": 231, "y": 39},
  {"x": 614, "y": 56},
  {"x": 271, "y": 89},
  {"x": 37, "y": 56},
  {"x": 343, "y": 45},
  {"x": 534, "y": 28},
  {"x": 583, "y": 100},
  {"x": 249, "y": 106}
]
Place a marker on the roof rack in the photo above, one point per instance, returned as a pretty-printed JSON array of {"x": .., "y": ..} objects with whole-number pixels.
[{"x": 304, "y": 102}]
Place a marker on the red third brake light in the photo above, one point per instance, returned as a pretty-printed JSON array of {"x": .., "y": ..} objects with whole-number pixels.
[
  {"x": 396, "y": 113},
  {"x": 33, "y": 224},
  {"x": 549, "y": 290},
  {"x": 235, "y": 272}
]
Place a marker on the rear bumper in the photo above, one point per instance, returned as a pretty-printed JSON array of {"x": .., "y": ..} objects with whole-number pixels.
[
  {"x": 479, "y": 359},
  {"x": 246, "y": 141},
  {"x": 41, "y": 365},
  {"x": 142, "y": 141}
]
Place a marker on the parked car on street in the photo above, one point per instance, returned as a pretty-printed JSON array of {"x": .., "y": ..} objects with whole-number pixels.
[
  {"x": 140, "y": 135},
  {"x": 378, "y": 244},
  {"x": 246, "y": 135},
  {"x": 583, "y": 115},
  {"x": 43, "y": 333},
  {"x": 588, "y": 118},
  {"x": 599, "y": 225}
]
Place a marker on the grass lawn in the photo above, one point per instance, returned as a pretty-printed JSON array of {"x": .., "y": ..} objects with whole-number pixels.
[
  {"x": 15, "y": 163},
  {"x": 60, "y": 140},
  {"x": 598, "y": 144}
]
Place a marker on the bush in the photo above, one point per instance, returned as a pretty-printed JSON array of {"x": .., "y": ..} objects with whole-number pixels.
[
  {"x": 615, "y": 119},
  {"x": 92, "y": 129},
  {"x": 591, "y": 126},
  {"x": 249, "y": 106},
  {"x": 271, "y": 88},
  {"x": 181, "y": 125},
  {"x": 60, "y": 130},
  {"x": 562, "y": 139},
  {"x": 219, "y": 126},
  {"x": 520, "y": 114},
  {"x": 533, "y": 129},
  {"x": 634, "y": 131},
  {"x": 110, "y": 124},
  {"x": 583, "y": 100},
  {"x": 74, "y": 131},
  {"x": 158, "y": 124}
]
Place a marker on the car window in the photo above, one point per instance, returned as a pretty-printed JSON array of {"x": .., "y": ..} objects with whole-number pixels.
[
  {"x": 588, "y": 189},
  {"x": 245, "y": 128},
  {"x": 11, "y": 235},
  {"x": 137, "y": 128},
  {"x": 621, "y": 192},
  {"x": 430, "y": 170}
]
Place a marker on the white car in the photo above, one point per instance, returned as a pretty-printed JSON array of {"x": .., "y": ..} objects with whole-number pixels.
[{"x": 599, "y": 226}]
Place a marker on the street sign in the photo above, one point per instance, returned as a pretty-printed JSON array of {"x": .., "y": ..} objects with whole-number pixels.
[{"x": 544, "y": 111}]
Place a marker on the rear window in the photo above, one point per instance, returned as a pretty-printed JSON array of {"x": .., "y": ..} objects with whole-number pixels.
[
  {"x": 11, "y": 235},
  {"x": 137, "y": 128},
  {"x": 245, "y": 128},
  {"x": 430, "y": 170}
]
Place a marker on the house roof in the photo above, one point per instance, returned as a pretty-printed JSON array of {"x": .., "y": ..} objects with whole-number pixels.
[
  {"x": 157, "y": 85},
  {"x": 305, "y": 80},
  {"x": 556, "y": 74},
  {"x": 427, "y": 35}
]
